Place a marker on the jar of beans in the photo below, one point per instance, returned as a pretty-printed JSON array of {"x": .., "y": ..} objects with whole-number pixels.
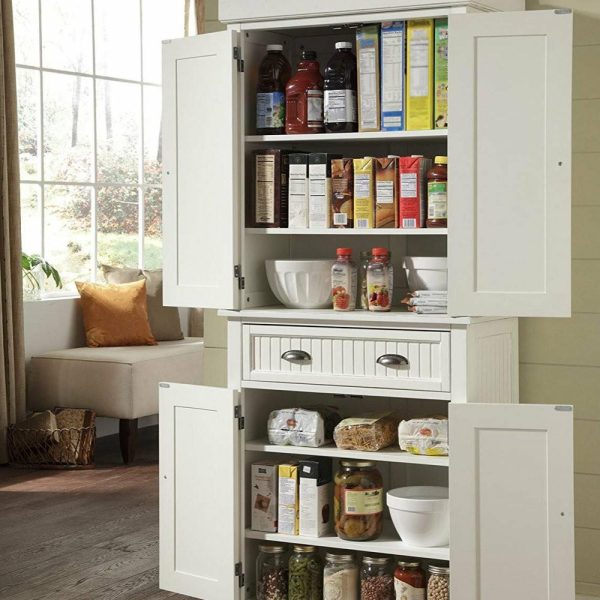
[
  {"x": 377, "y": 578},
  {"x": 438, "y": 586},
  {"x": 305, "y": 580},
  {"x": 272, "y": 573}
]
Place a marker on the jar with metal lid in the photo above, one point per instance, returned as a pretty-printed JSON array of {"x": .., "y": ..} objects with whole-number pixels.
[
  {"x": 409, "y": 581},
  {"x": 358, "y": 501},
  {"x": 340, "y": 577},
  {"x": 305, "y": 580},
  {"x": 376, "y": 578},
  {"x": 438, "y": 586},
  {"x": 272, "y": 573}
]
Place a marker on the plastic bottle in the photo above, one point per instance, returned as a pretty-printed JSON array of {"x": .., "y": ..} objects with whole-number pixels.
[
  {"x": 273, "y": 74},
  {"x": 437, "y": 193},
  {"x": 304, "y": 97},
  {"x": 380, "y": 281},
  {"x": 340, "y": 111},
  {"x": 343, "y": 281}
]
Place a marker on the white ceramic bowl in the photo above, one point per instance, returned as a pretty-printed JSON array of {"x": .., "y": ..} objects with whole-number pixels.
[
  {"x": 421, "y": 515},
  {"x": 426, "y": 272},
  {"x": 301, "y": 283}
]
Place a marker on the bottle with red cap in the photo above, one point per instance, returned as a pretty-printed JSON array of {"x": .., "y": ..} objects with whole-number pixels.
[
  {"x": 380, "y": 280},
  {"x": 343, "y": 281}
]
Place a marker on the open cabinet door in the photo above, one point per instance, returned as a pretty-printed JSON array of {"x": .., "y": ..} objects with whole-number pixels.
[
  {"x": 511, "y": 502},
  {"x": 201, "y": 86},
  {"x": 199, "y": 492},
  {"x": 509, "y": 146}
]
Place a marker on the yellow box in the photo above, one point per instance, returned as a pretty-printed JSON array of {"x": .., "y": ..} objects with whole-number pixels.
[
  {"x": 287, "y": 510},
  {"x": 364, "y": 193},
  {"x": 419, "y": 74}
]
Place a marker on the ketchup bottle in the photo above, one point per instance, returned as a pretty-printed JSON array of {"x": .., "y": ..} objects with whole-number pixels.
[{"x": 304, "y": 97}]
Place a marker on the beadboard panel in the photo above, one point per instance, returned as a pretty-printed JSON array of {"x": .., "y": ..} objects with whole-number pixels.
[
  {"x": 585, "y": 60},
  {"x": 586, "y": 125},
  {"x": 585, "y": 177},
  {"x": 587, "y": 487},
  {"x": 586, "y": 224},
  {"x": 587, "y": 449},
  {"x": 587, "y": 553},
  {"x": 585, "y": 275}
]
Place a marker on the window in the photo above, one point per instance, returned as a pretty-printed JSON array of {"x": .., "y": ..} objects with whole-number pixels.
[{"x": 89, "y": 102}]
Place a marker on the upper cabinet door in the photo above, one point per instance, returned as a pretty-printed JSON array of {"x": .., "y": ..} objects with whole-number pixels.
[
  {"x": 511, "y": 502},
  {"x": 509, "y": 245},
  {"x": 199, "y": 491},
  {"x": 200, "y": 170}
]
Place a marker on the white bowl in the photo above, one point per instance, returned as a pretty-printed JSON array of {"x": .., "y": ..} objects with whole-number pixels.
[
  {"x": 426, "y": 273},
  {"x": 421, "y": 515},
  {"x": 301, "y": 283}
]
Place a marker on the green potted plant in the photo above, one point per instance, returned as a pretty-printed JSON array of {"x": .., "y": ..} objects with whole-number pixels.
[{"x": 35, "y": 269}]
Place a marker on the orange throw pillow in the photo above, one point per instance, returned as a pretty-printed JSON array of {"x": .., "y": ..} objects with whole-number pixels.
[{"x": 115, "y": 315}]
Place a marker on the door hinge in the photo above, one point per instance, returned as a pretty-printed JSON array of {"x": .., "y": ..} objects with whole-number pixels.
[
  {"x": 237, "y": 414},
  {"x": 239, "y": 574},
  {"x": 237, "y": 273},
  {"x": 237, "y": 56}
]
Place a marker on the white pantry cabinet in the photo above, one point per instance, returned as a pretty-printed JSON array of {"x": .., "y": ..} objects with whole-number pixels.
[{"x": 508, "y": 249}]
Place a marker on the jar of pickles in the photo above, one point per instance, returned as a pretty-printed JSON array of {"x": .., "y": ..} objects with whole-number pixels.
[
  {"x": 305, "y": 580},
  {"x": 358, "y": 501},
  {"x": 438, "y": 586},
  {"x": 409, "y": 581},
  {"x": 340, "y": 577},
  {"x": 271, "y": 573},
  {"x": 376, "y": 578}
]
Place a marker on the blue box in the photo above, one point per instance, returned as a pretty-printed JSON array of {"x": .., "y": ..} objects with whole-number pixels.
[{"x": 393, "y": 67}]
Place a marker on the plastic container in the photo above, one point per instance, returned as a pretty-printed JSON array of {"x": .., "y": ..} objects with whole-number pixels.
[
  {"x": 273, "y": 74},
  {"x": 343, "y": 281},
  {"x": 426, "y": 273},
  {"x": 380, "y": 281},
  {"x": 421, "y": 515},
  {"x": 362, "y": 300},
  {"x": 272, "y": 573},
  {"x": 304, "y": 97},
  {"x": 437, "y": 193},
  {"x": 340, "y": 110}
]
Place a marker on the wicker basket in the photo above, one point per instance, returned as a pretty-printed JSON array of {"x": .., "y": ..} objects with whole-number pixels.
[{"x": 66, "y": 448}]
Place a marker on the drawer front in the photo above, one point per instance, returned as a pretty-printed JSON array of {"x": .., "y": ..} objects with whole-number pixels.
[{"x": 382, "y": 358}]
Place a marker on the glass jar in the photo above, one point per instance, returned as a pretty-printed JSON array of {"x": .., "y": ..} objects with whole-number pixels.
[
  {"x": 380, "y": 281},
  {"x": 437, "y": 193},
  {"x": 376, "y": 578},
  {"x": 340, "y": 577},
  {"x": 271, "y": 573},
  {"x": 358, "y": 501},
  {"x": 409, "y": 581},
  {"x": 363, "y": 298},
  {"x": 438, "y": 586},
  {"x": 305, "y": 580}
]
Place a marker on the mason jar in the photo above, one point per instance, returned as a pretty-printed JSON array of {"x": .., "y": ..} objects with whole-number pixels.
[
  {"x": 377, "y": 578},
  {"x": 340, "y": 577},
  {"x": 272, "y": 573},
  {"x": 438, "y": 586}
]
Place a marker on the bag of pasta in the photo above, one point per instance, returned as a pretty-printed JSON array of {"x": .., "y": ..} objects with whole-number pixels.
[
  {"x": 427, "y": 436},
  {"x": 371, "y": 432}
]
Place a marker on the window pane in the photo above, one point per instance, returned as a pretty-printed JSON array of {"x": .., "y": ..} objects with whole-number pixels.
[
  {"x": 67, "y": 35},
  {"x": 68, "y": 128},
  {"x": 117, "y": 24},
  {"x": 68, "y": 232},
  {"x": 152, "y": 135},
  {"x": 31, "y": 218},
  {"x": 28, "y": 114},
  {"x": 117, "y": 211},
  {"x": 27, "y": 32},
  {"x": 160, "y": 21},
  {"x": 118, "y": 122},
  {"x": 153, "y": 228}
]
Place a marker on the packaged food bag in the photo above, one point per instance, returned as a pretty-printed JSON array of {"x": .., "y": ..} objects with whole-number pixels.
[
  {"x": 427, "y": 436},
  {"x": 302, "y": 427},
  {"x": 370, "y": 432}
]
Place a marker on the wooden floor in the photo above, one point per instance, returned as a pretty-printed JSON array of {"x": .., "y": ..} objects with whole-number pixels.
[{"x": 90, "y": 535}]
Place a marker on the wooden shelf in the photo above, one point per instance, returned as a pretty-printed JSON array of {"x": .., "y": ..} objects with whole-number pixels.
[
  {"x": 400, "y": 232},
  {"x": 393, "y": 455},
  {"x": 367, "y": 136},
  {"x": 388, "y": 543}
]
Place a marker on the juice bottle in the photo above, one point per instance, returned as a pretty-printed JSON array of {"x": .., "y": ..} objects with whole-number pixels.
[
  {"x": 340, "y": 112},
  {"x": 380, "y": 280},
  {"x": 304, "y": 97},
  {"x": 437, "y": 193},
  {"x": 273, "y": 74},
  {"x": 343, "y": 281}
]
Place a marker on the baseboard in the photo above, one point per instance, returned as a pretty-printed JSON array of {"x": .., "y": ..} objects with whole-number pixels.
[
  {"x": 579, "y": 597},
  {"x": 106, "y": 426}
]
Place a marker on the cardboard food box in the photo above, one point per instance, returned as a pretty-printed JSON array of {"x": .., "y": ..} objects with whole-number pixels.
[
  {"x": 319, "y": 190},
  {"x": 287, "y": 513},
  {"x": 440, "y": 79},
  {"x": 264, "y": 496},
  {"x": 412, "y": 174},
  {"x": 270, "y": 201},
  {"x": 364, "y": 193},
  {"x": 419, "y": 74},
  {"x": 298, "y": 192},
  {"x": 315, "y": 494},
  {"x": 392, "y": 76},
  {"x": 342, "y": 184},
  {"x": 386, "y": 192},
  {"x": 367, "y": 62}
]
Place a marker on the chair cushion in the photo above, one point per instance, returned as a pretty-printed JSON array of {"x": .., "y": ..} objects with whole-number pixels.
[{"x": 118, "y": 382}]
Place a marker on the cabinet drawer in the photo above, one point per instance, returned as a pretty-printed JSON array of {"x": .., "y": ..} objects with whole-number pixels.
[{"x": 382, "y": 358}]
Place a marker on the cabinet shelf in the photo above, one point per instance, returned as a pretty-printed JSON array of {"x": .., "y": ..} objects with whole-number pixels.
[
  {"x": 387, "y": 543},
  {"x": 367, "y": 136},
  {"x": 400, "y": 232},
  {"x": 392, "y": 455}
]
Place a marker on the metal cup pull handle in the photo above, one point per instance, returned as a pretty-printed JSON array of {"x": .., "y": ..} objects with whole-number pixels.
[
  {"x": 297, "y": 357},
  {"x": 393, "y": 361}
]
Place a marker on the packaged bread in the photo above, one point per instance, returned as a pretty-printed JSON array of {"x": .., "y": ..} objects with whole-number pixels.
[
  {"x": 370, "y": 432},
  {"x": 427, "y": 436},
  {"x": 302, "y": 427}
]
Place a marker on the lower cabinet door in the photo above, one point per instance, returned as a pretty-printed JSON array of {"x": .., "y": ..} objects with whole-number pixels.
[
  {"x": 511, "y": 502},
  {"x": 199, "y": 492}
]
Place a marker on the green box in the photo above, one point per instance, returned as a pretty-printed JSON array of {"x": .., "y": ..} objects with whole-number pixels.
[{"x": 440, "y": 83}]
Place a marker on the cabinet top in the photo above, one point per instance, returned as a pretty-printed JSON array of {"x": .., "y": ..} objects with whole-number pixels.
[{"x": 236, "y": 11}]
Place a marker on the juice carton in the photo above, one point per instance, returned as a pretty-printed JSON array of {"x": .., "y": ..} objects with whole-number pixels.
[
  {"x": 419, "y": 74},
  {"x": 412, "y": 191},
  {"x": 367, "y": 59},
  {"x": 364, "y": 193},
  {"x": 441, "y": 74},
  {"x": 386, "y": 192},
  {"x": 342, "y": 184},
  {"x": 392, "y": 76}
]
